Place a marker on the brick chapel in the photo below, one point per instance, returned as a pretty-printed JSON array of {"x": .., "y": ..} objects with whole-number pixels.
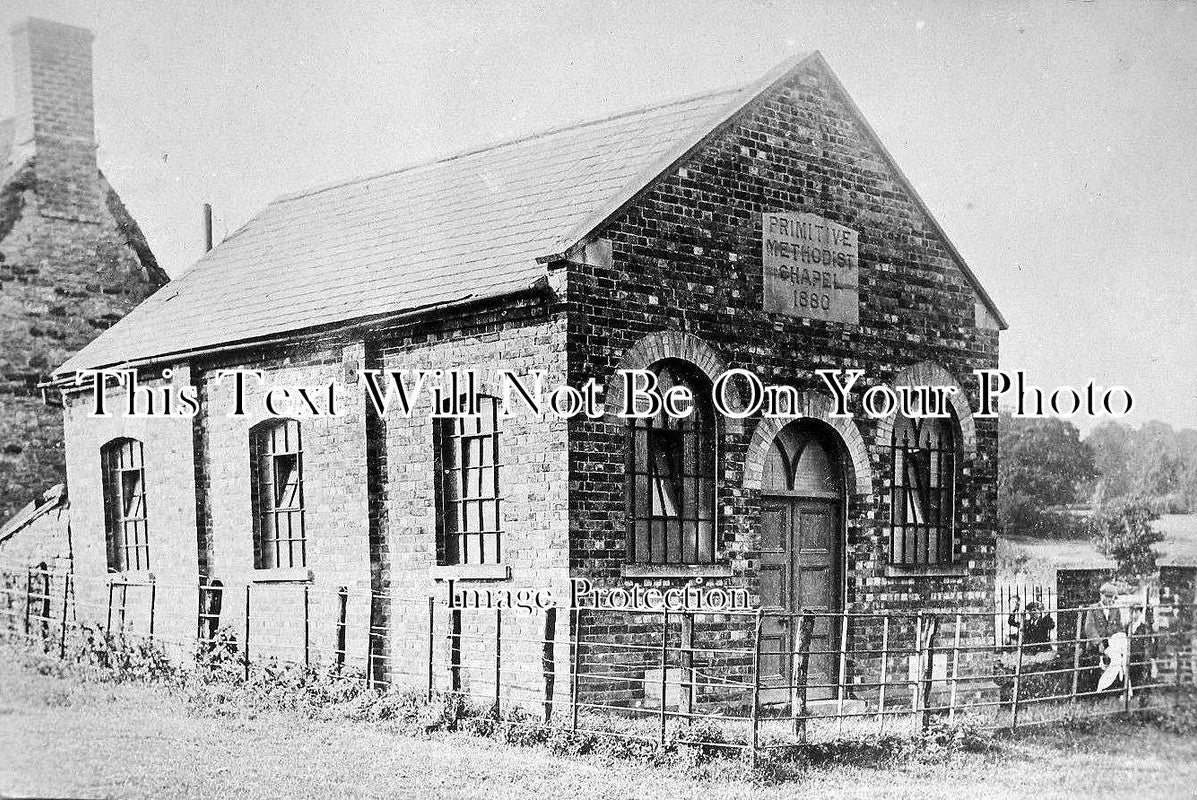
[{"x": 764, "y": 228}]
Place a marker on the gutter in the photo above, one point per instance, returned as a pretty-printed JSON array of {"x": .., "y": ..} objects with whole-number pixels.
[{"x": 68, "y": 381}]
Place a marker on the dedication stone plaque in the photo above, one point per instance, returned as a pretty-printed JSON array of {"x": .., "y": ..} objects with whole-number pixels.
[{"x": 811, "y": 267}]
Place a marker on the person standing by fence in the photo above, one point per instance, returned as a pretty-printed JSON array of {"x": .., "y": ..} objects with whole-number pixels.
[
  {"x": 1102, "y": 620},
  {"x": 1036, "y": 627}
]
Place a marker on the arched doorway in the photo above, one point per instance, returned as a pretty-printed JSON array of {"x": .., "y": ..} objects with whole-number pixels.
[{"x": 802, "y": 561}]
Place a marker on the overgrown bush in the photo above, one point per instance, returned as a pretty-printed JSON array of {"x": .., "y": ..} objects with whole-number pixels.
[
  {"x": 123, "y": 658},
  {"x": 1122, "y": 531}
]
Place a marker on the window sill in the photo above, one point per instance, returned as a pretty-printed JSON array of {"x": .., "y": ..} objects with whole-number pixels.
[
  {"x": 133, "y": 578},
  {"x": 925, "y": 570},
  {"x": 676, "y": 571},
  {"x": 283, "y": 575},
  {"x": 470, "y": 572}
]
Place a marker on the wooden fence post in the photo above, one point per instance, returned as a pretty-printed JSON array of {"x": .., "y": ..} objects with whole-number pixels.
[
  {"x": 1076, "y": 654},
  {"x": 246, "y": 648},
  {"x": 342, "y": 625},
  {"x": 108, "y": 618},
  {"x": 1017, "y": 681},
  {"x": 915, "y": 692},
  {"x": 124, "y": 612},
  {"x": 575, "y": 638},
  {"x": 955, "y": 670},
  {"x": 153, "y": 606},
  {"x": 548, "y": 661},
  {"x": 1126, "y": 670},
  {"x": 842, "y": 672},
  {"x": 431, "y": 639},
  {"x": 664, "y": 667},
  {"x": 307, "y": 627},
  {"x": 884, "y": 675},
  {"x": 498, "y": 658},
  {"x": 28, "y": 599},
  {"x": 370, "y": 639},
  {"x": 756, "y": 686},
  {"x": 798, "y": 690},
  {"x": 928, "y": 670},
  {"x": 66, "y": 587}
]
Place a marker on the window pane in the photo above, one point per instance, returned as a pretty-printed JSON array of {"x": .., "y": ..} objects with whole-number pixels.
[
  {"x": 286, "y": 481},
  {"x": 670, "y": 477},
  {"x": 277, "y": 472}
]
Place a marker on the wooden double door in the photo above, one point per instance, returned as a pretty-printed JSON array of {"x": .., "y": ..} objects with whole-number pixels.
[{"x": 801, "y": 569}]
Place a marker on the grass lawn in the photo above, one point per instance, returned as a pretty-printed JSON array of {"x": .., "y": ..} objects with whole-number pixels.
[
  {"x": 1045, "y": 556},
  {"x": 63, "y": 738}
]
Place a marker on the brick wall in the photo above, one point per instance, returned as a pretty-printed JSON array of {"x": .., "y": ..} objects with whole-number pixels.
[
  {"x": 54, "y": 120},
  {"x": 522, "y": 335},
  {"x": 334, "y": 501},
  {"x": 686, "y": 258},
  {"x": 167, "y": 445}
]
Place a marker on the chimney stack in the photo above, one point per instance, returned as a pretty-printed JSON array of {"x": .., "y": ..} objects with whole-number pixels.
[
  {"x": 54, "y": 124},
  {"x": 207, "y": 227}
]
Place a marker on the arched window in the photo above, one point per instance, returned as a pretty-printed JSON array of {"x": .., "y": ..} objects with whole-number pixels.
[
  {"x": 126, "y": 531},
  {"x": 671, "y": 478},
  {"x": 276, "y": 478},
  {"x": 469, "y": 492},
  {"x": 922, "y": 494}
]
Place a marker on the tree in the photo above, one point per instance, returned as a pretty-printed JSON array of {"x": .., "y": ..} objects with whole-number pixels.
[
  {"x": 1042, "y": 463},
  {"x": 1153, "y": 461},
  {"x": 1122, "y": 531}
]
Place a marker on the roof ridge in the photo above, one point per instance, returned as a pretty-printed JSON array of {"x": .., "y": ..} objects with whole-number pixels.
[{"x": 497, "y": 145}]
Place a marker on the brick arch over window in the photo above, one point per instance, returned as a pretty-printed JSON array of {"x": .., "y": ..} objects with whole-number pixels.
[
  {"x": 927, "y": 373},
  {"x": 814, "y": 406},
  {"x": 657, "y": 347}
]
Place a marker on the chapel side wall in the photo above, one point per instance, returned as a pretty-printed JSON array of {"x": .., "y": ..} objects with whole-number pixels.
[
  {"x": 521, "y": 335},
  {"x": 686, "y": 258},
  {"x": 335, "y": 504},
  {"x": 167, "y": 443}
]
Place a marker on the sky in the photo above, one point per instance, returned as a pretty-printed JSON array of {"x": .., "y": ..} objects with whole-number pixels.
[{"x": 1055, "y": 141}]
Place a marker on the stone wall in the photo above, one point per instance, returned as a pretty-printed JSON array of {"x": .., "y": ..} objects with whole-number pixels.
[{"x": 72, "y": 260}]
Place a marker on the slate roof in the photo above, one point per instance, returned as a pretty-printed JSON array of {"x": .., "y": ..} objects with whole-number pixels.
[
  {"x": 470, "y": 226},
  {"x": 53, "y": 499}
]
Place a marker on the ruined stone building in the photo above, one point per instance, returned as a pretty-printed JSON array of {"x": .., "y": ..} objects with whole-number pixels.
[
  {"x": 765, "y": 229},
  {"x": 72, "y": 260}
]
